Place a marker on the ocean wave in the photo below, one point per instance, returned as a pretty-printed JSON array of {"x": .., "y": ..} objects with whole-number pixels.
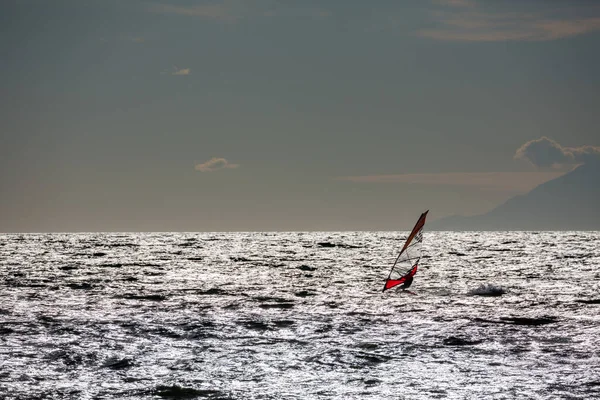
[{"x": 487, "y": 289}]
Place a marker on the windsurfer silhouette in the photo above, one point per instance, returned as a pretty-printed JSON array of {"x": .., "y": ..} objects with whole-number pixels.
[
  {"x": 407, "y": 283},
  {"x": 404, "y": 287}
]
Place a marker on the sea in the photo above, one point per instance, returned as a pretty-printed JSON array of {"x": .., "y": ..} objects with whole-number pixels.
[{"x": 298, "y": 315}]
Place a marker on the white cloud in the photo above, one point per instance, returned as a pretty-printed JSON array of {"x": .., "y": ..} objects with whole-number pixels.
[
  {"x": 215, "y": 164},
  {"x": 544, "y": 152}
]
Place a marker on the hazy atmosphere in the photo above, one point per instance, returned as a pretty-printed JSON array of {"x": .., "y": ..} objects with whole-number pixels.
[
  {"x": 288, "y": 115},
  {"x": 299, "y": 199}
]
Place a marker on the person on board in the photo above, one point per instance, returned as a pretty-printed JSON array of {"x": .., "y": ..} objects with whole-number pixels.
[{"x": 407, "y": 283}]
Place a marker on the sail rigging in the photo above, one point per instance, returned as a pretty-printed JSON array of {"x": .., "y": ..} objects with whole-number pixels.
[{"x": 409, "y": 257}]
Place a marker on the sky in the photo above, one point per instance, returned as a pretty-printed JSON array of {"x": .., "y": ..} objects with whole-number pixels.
[{"x": 290, "y": 115}]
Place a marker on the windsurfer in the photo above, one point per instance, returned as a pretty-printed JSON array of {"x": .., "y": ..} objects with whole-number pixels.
[
  {"x": 407, "y": 283},
  {"x": 412, "y": 246}
]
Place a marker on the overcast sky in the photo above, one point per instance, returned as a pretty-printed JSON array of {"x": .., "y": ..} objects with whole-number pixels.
[{"x": 252, "y": 115}]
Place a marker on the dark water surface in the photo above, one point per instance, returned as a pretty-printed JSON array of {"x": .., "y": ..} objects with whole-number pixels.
[{"x": 298, "y": 316}]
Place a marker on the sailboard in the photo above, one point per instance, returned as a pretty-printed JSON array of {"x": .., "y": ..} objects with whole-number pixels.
[{"x": 407, "y": 262}]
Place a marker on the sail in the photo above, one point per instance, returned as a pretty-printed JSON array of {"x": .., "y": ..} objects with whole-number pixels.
[{"x": 407, "y": 262}]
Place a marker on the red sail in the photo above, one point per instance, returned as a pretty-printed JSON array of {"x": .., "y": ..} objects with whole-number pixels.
[{"x": 390, "y": 283}]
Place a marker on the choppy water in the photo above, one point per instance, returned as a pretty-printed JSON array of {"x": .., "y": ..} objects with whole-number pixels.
[{"x": 298, "y": 316}]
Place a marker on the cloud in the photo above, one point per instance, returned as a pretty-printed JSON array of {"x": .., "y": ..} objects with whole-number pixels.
[
  {"x": 215, "y": 164},
  {"x": 469, "y": 22},
  {"x": 182, "y": 71},
  {"x": 519, "y": 182},
  {"x": 177, "y": 71},
  {"x": 544, "y": 152}
]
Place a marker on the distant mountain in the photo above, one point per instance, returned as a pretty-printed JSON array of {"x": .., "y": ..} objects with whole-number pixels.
[{"x": 569, "y": 202}]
